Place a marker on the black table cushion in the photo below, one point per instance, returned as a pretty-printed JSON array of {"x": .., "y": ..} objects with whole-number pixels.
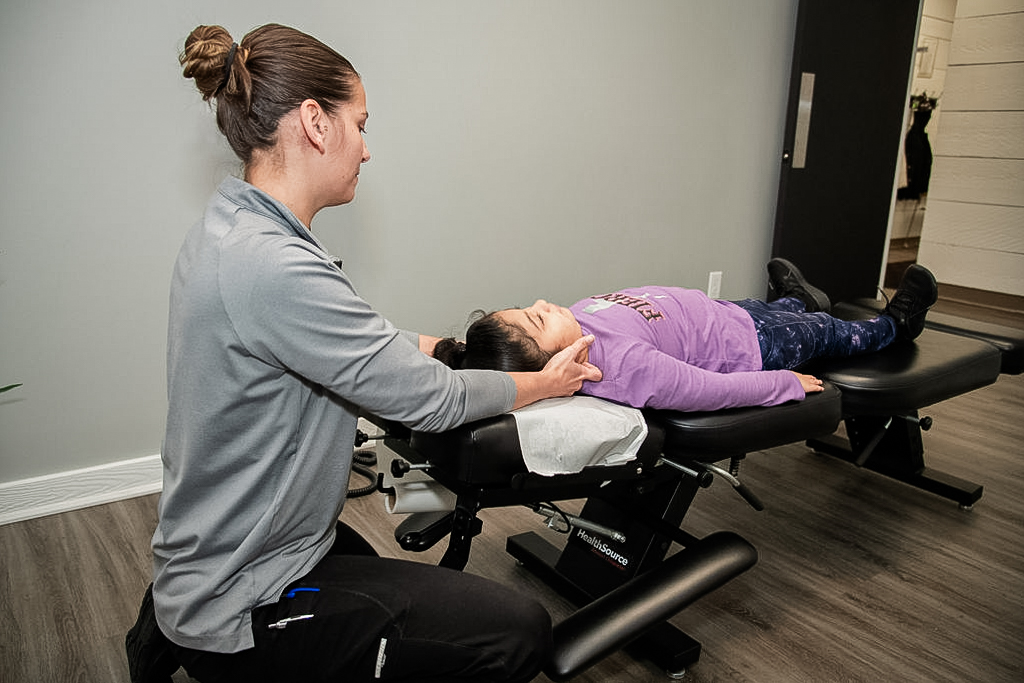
[
  {"x": 1009, "y": 340},
  {"x": 736, "y": 431},
  {"x": 910, "y": 375}
]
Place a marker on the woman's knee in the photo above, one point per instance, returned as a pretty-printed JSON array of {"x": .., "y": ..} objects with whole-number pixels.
[{"x": 529, "y": 640}]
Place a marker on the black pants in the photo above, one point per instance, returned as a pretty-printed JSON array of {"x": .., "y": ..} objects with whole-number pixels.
[{"x": 382, "y": 619}]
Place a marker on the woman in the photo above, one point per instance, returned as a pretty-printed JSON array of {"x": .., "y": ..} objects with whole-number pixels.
[
  {"x": 672, "y": 348},
  {"x": 271, "y": 356}
]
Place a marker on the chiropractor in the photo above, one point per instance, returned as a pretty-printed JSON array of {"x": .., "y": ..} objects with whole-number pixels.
[{"x": 271, "y": 356}]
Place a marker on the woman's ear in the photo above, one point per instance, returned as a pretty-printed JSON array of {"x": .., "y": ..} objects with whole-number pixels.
[{"x": 314, "y": 123}]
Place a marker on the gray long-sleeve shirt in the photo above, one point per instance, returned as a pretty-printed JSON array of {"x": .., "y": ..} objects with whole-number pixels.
[{"x": 270, "y": 355}]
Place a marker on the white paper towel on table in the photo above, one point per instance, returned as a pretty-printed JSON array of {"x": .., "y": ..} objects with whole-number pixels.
[
  {"x": 564, "y": 435},
  {"x": 557, "y": 436}
]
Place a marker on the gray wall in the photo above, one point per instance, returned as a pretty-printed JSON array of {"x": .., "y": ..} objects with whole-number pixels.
[{"x": 520, "y": 150}]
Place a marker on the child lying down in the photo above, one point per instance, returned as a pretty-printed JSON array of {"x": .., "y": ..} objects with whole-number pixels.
[{"x": 674, "y": 348}]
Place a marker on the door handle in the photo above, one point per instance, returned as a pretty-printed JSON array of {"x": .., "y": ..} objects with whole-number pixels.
[{"x": 803, "y": 120}]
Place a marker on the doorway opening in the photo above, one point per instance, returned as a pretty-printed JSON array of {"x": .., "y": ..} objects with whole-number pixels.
[{"x": 931, "y": 62}]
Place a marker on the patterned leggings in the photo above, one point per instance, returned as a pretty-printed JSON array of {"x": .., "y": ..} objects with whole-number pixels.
[{"x": 790, "y": 336}]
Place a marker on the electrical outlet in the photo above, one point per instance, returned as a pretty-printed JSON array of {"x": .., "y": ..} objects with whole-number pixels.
[{"x": 715, "y": 284}]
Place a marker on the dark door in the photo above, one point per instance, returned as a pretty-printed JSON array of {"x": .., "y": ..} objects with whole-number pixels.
[{"x": 848, "y": 94}]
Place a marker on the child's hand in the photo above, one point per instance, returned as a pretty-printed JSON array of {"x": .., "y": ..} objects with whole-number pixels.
[{"x": 810, "y": 383}]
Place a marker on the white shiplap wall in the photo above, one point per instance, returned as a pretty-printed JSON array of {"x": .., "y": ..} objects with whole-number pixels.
[{"x": 973, "y": 233}]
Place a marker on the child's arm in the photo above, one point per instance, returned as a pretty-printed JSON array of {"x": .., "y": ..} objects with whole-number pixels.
[{"x": 646, "y": 377}]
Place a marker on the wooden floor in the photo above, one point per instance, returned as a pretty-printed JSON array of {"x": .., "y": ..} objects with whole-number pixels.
[{"x": 860, "y": 578}]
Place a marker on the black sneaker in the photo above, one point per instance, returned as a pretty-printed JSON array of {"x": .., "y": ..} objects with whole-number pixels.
[
  {"x": 917, "y": 293},
  {"x": 786, "y": 280}
]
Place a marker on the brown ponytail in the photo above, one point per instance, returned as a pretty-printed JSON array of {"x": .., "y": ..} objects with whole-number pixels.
[{"x": 273, "y": 70}]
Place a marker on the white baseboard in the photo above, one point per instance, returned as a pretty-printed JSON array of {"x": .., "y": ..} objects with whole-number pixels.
[{"x": 75, "y": 489}]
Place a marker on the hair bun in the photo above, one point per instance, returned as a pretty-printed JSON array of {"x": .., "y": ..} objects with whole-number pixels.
[
  {"x": 451, "y": 352},
  {"x": 205, "y": 57}
]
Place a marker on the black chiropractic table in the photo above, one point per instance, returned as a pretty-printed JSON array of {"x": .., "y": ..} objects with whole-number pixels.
[{"x": 627, "y": 589}]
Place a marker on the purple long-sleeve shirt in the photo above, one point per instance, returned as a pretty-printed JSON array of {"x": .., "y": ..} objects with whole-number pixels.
[{"x": 674, "y": 348}]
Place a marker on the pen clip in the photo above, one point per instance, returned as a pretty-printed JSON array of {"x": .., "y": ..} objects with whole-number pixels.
[{"x": 284, "y": 622}]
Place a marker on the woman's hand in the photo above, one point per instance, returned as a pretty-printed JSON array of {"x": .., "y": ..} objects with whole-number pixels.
[
  {"x": 563, "y": 375},
  {"x": 810, "y": 383},
  {"x": 569, "y": 368},
  {"x": 427, "y": 344}
]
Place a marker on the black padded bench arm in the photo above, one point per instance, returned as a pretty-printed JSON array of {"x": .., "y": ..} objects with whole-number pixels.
[{"x": 619, "y": 617}]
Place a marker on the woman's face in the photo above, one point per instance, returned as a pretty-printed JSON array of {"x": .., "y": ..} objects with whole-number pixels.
[
  {"x": 349, "y": 148},
  {"x": 552, "y": 327}
]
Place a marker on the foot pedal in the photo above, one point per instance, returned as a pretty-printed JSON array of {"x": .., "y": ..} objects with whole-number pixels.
[{"x": 422, "y": 530}]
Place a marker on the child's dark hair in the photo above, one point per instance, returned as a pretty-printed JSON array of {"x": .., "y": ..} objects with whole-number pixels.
[{"x": 492, "y": 344}]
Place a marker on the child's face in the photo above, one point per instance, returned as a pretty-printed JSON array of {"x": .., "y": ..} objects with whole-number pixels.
[{"x": 552, "y": 327}]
